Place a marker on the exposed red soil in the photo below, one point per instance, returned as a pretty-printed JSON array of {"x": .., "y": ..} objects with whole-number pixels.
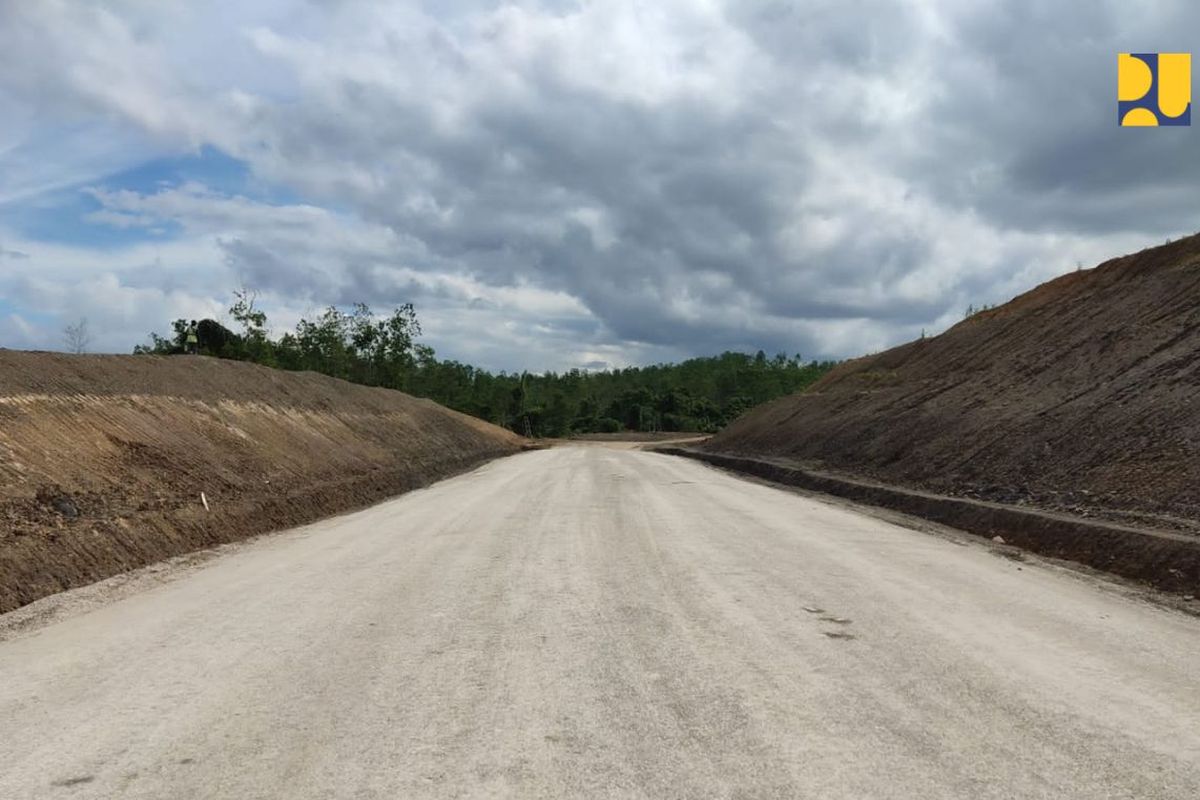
[{"x": 103, "y": 458}]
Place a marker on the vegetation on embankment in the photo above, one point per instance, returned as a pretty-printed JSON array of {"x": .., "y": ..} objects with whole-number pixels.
[{"x": 700, "y": 394}]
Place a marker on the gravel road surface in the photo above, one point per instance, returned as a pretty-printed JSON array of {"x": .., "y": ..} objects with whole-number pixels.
[{"x": 594, "y": 622}]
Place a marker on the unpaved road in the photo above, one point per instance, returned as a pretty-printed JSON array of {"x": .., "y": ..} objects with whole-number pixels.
[{"x": 586, "y": 622}]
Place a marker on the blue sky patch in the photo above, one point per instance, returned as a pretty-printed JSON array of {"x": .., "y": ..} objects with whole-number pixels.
[{"x": 61, "y": 216}]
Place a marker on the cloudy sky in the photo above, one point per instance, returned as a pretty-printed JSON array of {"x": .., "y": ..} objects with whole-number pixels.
[{"x": 559, "y": 184}]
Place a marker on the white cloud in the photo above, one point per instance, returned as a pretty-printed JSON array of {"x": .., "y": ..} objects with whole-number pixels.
[{"x": 587, "y": 182}]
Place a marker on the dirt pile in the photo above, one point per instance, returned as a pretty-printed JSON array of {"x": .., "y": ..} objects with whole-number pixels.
[
  {"x": 1082, "y": 395},
  {"x": 103, "y": 459}
]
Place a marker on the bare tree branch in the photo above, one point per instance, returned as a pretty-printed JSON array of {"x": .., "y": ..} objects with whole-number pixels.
[{"x": 77, "y": 337}]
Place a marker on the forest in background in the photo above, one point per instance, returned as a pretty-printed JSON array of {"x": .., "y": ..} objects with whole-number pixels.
[{"x": 699, "y": 394}]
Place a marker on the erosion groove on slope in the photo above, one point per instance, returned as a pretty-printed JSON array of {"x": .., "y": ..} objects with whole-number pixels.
[{"x": 103, "y": 458}]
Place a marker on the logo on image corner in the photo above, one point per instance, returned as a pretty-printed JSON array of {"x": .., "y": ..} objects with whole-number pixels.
[{"x": 1154, "y": 89}]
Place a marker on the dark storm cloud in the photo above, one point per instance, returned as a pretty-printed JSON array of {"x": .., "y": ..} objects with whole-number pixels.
[
  {"x": 263, "y": 268},
  {"x": 823, "y": 176},
  {"x": 690, "y": 184},
  {"x": 1024, "y": 127},
  {"x": 676, "y": 189}
]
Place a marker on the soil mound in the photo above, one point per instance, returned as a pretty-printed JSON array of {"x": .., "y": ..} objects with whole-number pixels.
[
  {"x": 1082, "y": 395},
  {"x": 103, "y": 459}
]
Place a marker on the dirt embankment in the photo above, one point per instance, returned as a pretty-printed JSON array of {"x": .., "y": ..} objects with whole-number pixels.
[
  {"x": 1166, "y": 560},
  {"x": 103, "y": 458},
  {"x": 1081, "y": 396}
]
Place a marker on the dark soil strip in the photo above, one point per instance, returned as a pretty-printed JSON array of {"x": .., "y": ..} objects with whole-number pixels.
[
  {"x": 32, "y": 567},
  {"x": 1167, "y": 561}
]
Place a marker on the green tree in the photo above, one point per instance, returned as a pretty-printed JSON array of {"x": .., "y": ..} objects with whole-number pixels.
[{"x": 699, "y": 394}]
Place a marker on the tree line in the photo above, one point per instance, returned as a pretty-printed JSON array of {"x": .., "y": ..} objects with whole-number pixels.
[{"x": 700, "y": 394}]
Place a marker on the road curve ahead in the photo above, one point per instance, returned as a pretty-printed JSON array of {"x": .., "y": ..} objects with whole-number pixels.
[{"x": 589, "y": 622}]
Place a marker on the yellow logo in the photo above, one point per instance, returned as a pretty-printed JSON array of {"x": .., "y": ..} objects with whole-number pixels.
[{"x": 1154, "y": 89}]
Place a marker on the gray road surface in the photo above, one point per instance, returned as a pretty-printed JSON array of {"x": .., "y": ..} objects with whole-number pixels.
[{"x": 592, "y": 622}]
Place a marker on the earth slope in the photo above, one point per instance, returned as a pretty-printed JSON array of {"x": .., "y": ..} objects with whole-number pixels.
[
  {"x": 1081, "y": 395},
  {"x": 103, "y": 459}
]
